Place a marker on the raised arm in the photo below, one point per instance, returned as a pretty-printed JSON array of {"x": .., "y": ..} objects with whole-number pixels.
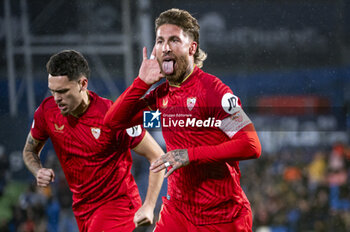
[
  {"x": 150, "y": 149},
  {"x": 127, "y": 110},
  {"x": 31, "y": 157},
  {"x": 243, "y": 146}
]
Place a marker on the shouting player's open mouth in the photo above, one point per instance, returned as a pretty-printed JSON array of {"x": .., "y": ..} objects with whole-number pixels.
[{"x": 62, "y": 107}]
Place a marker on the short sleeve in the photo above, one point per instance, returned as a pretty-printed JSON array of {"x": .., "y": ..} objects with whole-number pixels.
[
  {"x": 225, "y": 106},
  {"x": 39, "y": 128},
  {"x": 222, "y": 102},
  {"x": 136, "y": 134}
]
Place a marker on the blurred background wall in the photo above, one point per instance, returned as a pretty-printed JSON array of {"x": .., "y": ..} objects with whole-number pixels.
[{"x": 288, "y": 61}]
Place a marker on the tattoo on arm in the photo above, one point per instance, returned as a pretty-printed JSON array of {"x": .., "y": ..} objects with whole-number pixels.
[
  {"x": 181, "y": 156},
  {"x": 31, "y": 153}
]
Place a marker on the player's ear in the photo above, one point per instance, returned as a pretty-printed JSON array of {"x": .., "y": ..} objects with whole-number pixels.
[
  {"x": 193, "y": 48},
  {"x": 84, "y": 83}
]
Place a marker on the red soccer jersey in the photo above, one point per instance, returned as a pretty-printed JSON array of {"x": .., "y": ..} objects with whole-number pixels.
[
  {"x": 96, "y": 160},
  {"x": 208, "y": 190}
]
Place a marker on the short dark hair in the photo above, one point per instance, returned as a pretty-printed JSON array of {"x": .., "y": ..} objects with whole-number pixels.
[
  {"x": 68, "y": 63},
  {"x": 186, "y": 22}
]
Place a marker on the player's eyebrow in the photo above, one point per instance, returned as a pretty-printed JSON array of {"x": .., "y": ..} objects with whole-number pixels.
[
  {"x": 159, "y": 38},
  {"x": 170, "y": 37},
  {"x": 59, "y": 90}
]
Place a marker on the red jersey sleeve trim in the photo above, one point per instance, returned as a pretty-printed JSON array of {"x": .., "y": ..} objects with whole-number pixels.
[
  {"x": 39, "y": 128},
  {"x": 139, "y": 139},
  {"x": 37, "y": 138},
  {"x": 244, "y": 145}
]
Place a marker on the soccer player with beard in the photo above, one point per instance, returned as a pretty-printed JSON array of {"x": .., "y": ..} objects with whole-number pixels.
[
  {"x": 204, "y": 192},
  {"x": 95, "y": 159}
]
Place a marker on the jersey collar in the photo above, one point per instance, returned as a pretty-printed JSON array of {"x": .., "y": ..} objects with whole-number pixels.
[{"x": 187, "y": 79}]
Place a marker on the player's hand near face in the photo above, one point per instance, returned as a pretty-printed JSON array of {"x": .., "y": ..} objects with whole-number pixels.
[
  {"x": 150, "y": 71},
  {"x": 176, "y": 159},
  {"x": 44, "y": 177},
  {"x": 144, "y": 216}
]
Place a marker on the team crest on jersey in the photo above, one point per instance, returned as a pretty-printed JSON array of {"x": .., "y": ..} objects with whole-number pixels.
[
  {"x": 191, "y": 101},
  {"x": 59, "y": 128},
  {"x": 96, "y": 132}
]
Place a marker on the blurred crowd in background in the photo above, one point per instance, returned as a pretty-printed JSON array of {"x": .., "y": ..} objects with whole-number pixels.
[
  {"x": 300, "y": 189},
  {"x": 288, "y": 61}
]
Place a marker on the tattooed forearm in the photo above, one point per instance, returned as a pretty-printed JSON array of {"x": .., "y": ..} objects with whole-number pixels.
[
  {"x": 34, "y": 159},
  {"x": 31, "y": 153}
]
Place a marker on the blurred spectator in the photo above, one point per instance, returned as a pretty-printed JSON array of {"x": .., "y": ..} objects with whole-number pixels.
[
  {"x": 66, "y": 218},
  {"x": 53, "y": 212},
  {"x": 292, "y": 174},
  {"x": 337, "y": 158},
  {"x": 317, "y": 171},
  {"x": 4, "y": 163},
  {"x": 32, "y": 198},
  {"x": 33, "y": 202}
]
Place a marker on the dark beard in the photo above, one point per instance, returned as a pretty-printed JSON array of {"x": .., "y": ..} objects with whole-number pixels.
[{"x": 179, "y": 73}]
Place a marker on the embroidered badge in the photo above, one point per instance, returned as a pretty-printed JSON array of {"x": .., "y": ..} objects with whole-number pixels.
[
  {"x": 191, "y": 101},
  {"x": 96, "y": 132}
]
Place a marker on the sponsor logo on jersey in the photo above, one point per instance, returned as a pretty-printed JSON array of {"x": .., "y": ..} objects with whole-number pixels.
[
  {"x": 237, "y": 116},
  {"x": 165, "y": 103},
  {"x": 231, "y": 125},
  {"x": 151, "y": 119},
  {"x": 229, "y": 103},
  {"x": 96, "y": 132},
  {"x": 59, "y": 128},
  {"x": 191, "y": 102},
  {"x": 134, "y": 131}
]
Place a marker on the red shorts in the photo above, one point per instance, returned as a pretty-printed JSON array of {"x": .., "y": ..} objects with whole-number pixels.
[
  {"x": 172, "y": 220},
  {"x": 116, "y": 215}
]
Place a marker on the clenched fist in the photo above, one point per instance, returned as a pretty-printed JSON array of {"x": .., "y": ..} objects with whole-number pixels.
[{"x": 44, "y": 176}]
